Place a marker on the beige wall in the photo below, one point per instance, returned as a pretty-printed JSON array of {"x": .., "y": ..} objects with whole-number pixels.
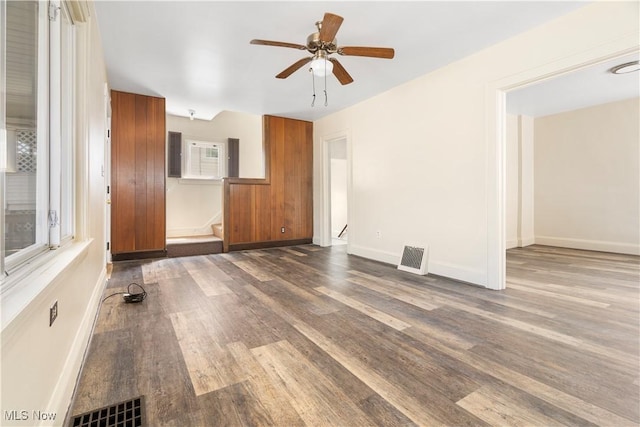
[
  {"x": 587, "y": 178},
  {"x": 40, "y": 364},
  {"x": 519, "y": 169},
  {"x": 192, "y": 206},
  {"x": 512, "y": 169},
  {"x": 425, "y": 160}
]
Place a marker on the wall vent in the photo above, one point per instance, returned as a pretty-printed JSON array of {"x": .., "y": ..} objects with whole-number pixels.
[{"x": 414, "y": 259}]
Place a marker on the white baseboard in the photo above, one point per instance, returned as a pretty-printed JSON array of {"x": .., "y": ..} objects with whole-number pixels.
[
  {"x": 444, "y": 269},
  {"x": 457, "y": 272},
  {"x": 511, "y": 243},
  {"x": 591, "y": 245},
  {"x": 520, "y": 242},
  {"x": 526, "y": 241},
  {"x": 62, "y": 396},
  {"x": 375, "y": 254}
]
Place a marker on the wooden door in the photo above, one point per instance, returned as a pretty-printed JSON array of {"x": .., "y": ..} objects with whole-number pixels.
[{"x": 138, "y": 221}]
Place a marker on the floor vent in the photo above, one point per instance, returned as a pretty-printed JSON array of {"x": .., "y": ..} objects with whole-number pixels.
[
  {"x": 129, "y": 413},
  {"x": 414, "y": 259}
]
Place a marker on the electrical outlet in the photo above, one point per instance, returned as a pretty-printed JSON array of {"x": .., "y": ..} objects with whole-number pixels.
[
  {"x": 282, "y": 229},
  {"x": 379, "y": 234},
  {"x": 53, "y": 312}
]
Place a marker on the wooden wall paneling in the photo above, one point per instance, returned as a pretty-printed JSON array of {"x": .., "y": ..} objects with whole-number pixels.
[
  {"x": 277, "y": 136},
  {"x": 242, "y": 218},
  {"x": 298, "y": 169},
  {"x": 159, "y": 180},
  {"x": 123, "y": 173},
  {"x": 307, "y": 204},
  {"x": 292, "y": 179},
  {"x": 138, "y": 174},
  {"x": 141, "y": 204},
  {"x": 264, "y": 230},
  {"x": 254, "y": 217}
]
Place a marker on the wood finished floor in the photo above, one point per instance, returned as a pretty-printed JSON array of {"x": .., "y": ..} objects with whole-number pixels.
[{"x": 312, "y": 336}]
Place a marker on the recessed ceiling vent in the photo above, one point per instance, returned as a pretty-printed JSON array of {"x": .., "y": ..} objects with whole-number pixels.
[{"x": 414, "y": 259}]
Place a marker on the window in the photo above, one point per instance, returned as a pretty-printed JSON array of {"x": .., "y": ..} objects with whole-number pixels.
[
  {"x": 37, "y": 63},
  {"x": 204, "y": 160}
]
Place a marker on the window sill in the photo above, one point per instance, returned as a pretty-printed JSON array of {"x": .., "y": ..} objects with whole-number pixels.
[
  {"x": 23, "y": 287},
  {"x": 200, "y": 181}
]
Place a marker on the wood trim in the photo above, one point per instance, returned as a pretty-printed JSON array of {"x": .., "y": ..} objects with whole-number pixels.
[
  {"x": 268, "y": 244},
  {"x": 174, "y": 154},
  {"x": 127, "y": 256},
  {"x": 247, "y": 181},
  {"x": 226, "y": 203},
  {"x": 233, "y": 157}
]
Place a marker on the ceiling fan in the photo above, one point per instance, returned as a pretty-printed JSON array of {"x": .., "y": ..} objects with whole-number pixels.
[{"x": 321, "y": 45}]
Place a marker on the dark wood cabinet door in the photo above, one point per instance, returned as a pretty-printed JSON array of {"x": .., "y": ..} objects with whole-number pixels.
[{"x": 138, "y": 221}]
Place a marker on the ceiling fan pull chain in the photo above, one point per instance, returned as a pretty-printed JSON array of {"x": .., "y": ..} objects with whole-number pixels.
[
  {"x": 326, "y": 98},
  {"x": 313, "y": 84}
]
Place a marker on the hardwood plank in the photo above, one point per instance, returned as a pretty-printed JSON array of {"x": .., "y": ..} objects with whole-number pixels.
[
  {"x": 314, "y": 396},
  {"x": 111, "y": 356},
  {"x": 577, "y": 300},
  {"x": 412, "y": 408},
  {"x": 253, "y": 270},
  {"x": 210, "y": 365},
  {"x": 497, "y": 408},
  {"x": 271, "y": 397},
  {"x": 365, "y": 309},
  {"x": 393, "y": 292},
  {"x": 212, "y": 281}
]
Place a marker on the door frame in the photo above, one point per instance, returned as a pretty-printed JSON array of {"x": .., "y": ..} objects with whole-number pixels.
[
  {"x": 496, "y": 94},
  {"x": 325, "y": 220}
]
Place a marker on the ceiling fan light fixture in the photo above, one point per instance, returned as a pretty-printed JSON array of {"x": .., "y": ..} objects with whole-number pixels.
[
  {"x": 321, "y": 66},
  {"x": 629, "y": 67}
]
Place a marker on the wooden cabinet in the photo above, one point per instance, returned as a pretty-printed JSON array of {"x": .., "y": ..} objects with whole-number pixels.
[
  {"x": 279, "y": 209},
  {"x": 138, "y": 222}
]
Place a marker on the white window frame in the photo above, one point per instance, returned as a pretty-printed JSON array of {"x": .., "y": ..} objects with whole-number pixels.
[
  {"x": 189, "y": 163},
  {"x": 55, "y": 127}
]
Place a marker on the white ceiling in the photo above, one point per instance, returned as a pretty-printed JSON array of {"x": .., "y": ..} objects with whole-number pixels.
[
  {"x": 197, "y": 54},
  {"x": 586, "y": 87}
]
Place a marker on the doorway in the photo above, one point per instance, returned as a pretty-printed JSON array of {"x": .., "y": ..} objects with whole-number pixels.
[
  {"x": 336, "y": 184},
  {"x": 584, "y": 122},
  {"x": 338, "y": 192}
]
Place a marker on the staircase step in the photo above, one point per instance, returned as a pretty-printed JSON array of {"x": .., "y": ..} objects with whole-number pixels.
[
  {"x": 217, "y": 230},
  {"x": 193, "y": 245}
]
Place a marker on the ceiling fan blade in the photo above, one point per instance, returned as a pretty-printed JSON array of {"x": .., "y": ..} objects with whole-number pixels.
[
  {"x": 372, "y": 52},
  {"x": 294, "y": 67},
  {"x": 340, "y": 73},
  {"x": 279, "y": 44},
  {"x": 330, "y": 26}
]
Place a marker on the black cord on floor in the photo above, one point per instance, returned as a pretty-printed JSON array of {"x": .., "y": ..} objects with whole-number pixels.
[{"x": 144, "y": 293}]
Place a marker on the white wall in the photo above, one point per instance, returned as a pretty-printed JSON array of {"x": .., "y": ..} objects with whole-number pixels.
[
  {"x": 425, "y": 163},
  {"x": 192, "y": 206},
  {"x": 519, "y": 169},
  {"x": 512, "y": 170},
  {"x": 587, "y": 178},
  {"x": 40, "y": 364}
]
